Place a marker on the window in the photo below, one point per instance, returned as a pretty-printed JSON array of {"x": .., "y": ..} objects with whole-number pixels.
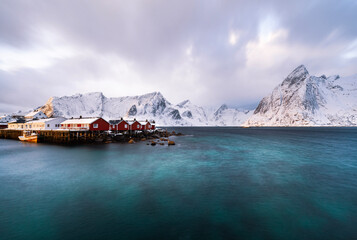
[
  {"x": 95, "y": 125},
  {"x": 138, "y": 126},
  {"x": 126, "y": 125},
  {"x": 48, "y": 125}
]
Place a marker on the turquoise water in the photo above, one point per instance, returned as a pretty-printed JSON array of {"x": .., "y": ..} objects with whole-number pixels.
[{"x": 216, "y": 183}]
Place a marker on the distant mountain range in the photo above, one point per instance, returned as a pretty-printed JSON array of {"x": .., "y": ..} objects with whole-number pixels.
[
  {"x": 300, "y": 100},
  {"x": 149, "y": 106}
]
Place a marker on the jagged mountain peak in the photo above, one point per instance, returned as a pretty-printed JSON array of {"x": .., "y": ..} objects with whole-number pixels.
[
  {"x": 152, "y": 94},
  {"x": 298, "y": 75},
  {"x": 89, "y": 94},
  {"x": 302, "y": 99},
  {"x": 184, "y": 103},
  {"x": 221, "y": 109}
]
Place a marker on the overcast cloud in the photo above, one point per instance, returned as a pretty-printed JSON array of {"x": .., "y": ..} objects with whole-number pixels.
[{"x": 211, "y": 52}]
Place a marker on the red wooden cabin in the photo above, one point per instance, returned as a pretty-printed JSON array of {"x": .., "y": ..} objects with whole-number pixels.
[
  {"x": 91, "y": 124},
  {"x": 145, "y": 125},
  {"x": 134, "y": 125},
  {"x": 119, "y": 125}
]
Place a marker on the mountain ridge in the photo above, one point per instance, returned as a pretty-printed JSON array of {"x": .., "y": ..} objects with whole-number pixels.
[
  {"x": 299, "y": 100},
  {"x": 147, "y": 106}
]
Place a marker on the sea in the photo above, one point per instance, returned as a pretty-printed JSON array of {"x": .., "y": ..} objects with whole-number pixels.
[{"x": 215, "y": 183}]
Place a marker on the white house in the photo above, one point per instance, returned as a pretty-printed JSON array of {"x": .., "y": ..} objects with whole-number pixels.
[
  {"x": 37, "y": 114},
  {"x": 45, "y": 124},
  {"x": 17, "y": 125},
  {"x": 5, "y": 119}
]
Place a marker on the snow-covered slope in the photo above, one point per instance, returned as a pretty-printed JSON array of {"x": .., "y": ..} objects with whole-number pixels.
[
  {"x": 148, "y": 106},
  {"x": 304, "y": 100},
  {"x": 225, "y": 116}
]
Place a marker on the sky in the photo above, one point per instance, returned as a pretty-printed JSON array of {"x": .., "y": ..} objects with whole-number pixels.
[{"x": 209, "y": 51}]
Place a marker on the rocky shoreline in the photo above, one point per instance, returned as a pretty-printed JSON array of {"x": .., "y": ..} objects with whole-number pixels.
[{"x": 157, "y": 138}]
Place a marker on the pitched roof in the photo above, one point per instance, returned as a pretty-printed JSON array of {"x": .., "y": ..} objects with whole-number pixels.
[
  {"x": 80, "y": 121},
  {"x": 114, "y": 122},
  {"x": 131, "y": 122},
  {"x": 19, "y": 121},
  {"x": 33, "y": 113},
  {"x": 45, "y": 120}
]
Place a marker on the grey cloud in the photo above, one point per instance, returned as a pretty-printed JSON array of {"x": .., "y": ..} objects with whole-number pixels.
[{"x": 154, "y": 34}]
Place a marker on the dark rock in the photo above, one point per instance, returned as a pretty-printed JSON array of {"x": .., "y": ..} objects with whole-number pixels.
[
  {"x": 297, "y": 76},
  {"x": 220, "y": 109},
  {"x": 187, "y": 114},
  {"x": 175, "y": 114},
  {"x": 133, "y": 111}
]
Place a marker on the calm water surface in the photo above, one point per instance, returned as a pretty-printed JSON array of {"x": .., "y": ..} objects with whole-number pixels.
[{"x": 216, "y": 183}]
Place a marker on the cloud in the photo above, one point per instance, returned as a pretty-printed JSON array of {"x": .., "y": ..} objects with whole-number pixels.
[
  {"x": 212, "y": 52},
  {"x": 47, "y": 48}
]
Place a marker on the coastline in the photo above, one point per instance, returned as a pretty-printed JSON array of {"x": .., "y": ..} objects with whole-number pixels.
[{"x": 71, "y": 137}]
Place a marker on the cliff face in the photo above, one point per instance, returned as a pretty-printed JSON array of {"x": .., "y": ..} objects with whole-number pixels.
[
  {"x": 48, "y": 108},
  {"x": 304, "y": 100}
]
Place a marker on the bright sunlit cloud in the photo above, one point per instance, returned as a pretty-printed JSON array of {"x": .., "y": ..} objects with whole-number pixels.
[
  {"x": 49, "y": 48},
  {"x": 233, "y": 37},
  {"x": 351, "y": 51},
  {"x": 268, "y": 28}
]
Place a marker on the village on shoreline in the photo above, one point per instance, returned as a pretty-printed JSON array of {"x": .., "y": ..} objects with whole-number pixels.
[{"x": 37, "y": 127}]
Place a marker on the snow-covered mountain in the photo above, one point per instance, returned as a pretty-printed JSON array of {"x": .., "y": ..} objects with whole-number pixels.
[
  {"x": 230, "y": 117},
  {"x": 300, "y": 100},
  {"x": 304, "y": 100},
  {"x": 148, "y": 106}
]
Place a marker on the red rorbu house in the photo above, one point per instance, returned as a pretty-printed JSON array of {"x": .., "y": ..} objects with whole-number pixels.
[
  {"x": 86, "y": 124},
  {"x": 119, "y": 125},
  {"x": 147, "y": 125},
  {"x": 134, "y": 125}
]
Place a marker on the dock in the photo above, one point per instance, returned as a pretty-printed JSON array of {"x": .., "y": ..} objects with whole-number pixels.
[{"x": 83, "y": 137}]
